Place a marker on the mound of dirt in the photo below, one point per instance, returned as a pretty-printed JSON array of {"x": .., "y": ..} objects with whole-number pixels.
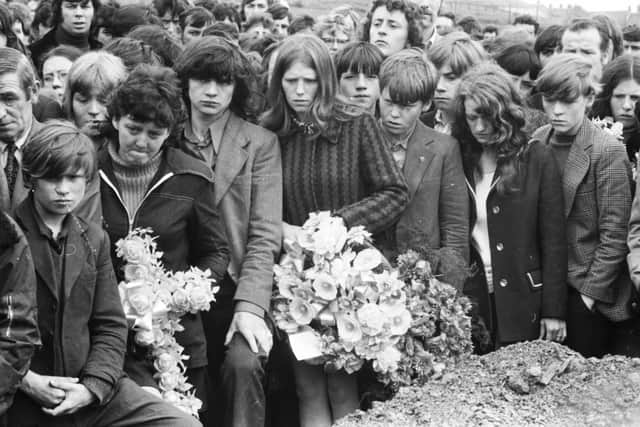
[{"x": 536, "y": 383}]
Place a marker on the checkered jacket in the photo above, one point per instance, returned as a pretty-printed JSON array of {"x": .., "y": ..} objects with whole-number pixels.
[{"x": 597, "y": 194}]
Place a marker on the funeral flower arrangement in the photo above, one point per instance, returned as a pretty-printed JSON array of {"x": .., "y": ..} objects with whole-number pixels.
[
  {"x": 154, "y": 300},
  {"x": 342, "y": 295},
  {"x": 335, "y": 289},
  {"x": 440, "y": 331}
]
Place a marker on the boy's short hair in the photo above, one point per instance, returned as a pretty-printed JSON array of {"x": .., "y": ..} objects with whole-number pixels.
[
  {"x": 527, "y": 20},
  {"x": 471, "y": 26},
  {"x": 549, "y": 39},
  {"x": 566, "y": 77},
  {"x": 409, "y": 77},
  {"x": 358, "y": 57},
  {"x": 198, "y": 17},
  {"x": 490, "y": 29},
  {"x": 631, "y": 33},
  {"x": 224, "y": 30},
  {"x": 458, "y": 50},
  {"x": 263, "y": 19},
  {"x": 519, "y": 59},
  {"x": 301, "y": 23},
  {"x": 56, "y": 149}
]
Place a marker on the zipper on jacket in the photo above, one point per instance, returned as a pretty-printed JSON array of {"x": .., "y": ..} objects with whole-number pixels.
[
  {"x": 131, "y": 219},
  {"x": 9, "y": 300}
]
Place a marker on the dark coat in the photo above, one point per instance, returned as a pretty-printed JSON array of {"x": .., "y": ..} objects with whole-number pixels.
[
  {"x": 597, "y": 193},
  {"x": 180, "y": 209},
  {"x": 528, "y": 249},
  {"x": 94, "y": 329},
  {"x": 19, "y": 336},
  {"x": 49, "y": 41},
  {"x": 438, "y": 204}
]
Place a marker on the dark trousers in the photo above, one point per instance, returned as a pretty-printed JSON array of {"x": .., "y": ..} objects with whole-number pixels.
[
  {"x": 625, "y": 338},
  {"x": 236, "y": 373},
  {"x": 588, "y": 331},
  {"x": 130, "y": 406}
]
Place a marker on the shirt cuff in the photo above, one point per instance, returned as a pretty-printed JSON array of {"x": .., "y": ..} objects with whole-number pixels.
[
  {"x": 249, "y": 307},
  {"x": 99, "y": 388}
]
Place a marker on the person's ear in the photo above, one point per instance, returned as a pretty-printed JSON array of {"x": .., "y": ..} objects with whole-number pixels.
[
  {"x": 33, "y": 91},
  {"x": 426, "y": 106},
  {"x": 115, "y": 122}
]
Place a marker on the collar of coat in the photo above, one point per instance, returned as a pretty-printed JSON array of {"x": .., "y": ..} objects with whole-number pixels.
[{"x": 173, "y": 161}]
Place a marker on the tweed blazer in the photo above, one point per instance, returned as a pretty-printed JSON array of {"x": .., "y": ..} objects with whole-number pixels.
[
  {"x": 438, "y": 206},
  {"x": 248, "y": 195},
  {"x": 597, "y": 194}
]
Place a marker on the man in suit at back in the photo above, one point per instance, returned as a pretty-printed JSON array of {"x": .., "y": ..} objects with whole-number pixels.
[{"x": 18, "y": 93}]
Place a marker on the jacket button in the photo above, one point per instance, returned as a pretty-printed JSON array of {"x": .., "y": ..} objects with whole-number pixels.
[
  {"x": 499, "y": 247},
  {"x": 503, "y": 283},
  {"x": 496, "y": 210}
]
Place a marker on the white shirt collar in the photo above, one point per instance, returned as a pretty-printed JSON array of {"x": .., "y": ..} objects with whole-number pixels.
[{"x": 20, "y": 141}]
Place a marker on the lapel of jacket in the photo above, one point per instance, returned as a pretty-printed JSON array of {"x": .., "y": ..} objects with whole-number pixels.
[
  {"x": 418, "y": 158},
  {"x": 42, "y": 261},
  {"x": 75, "y": 255},
  {"x": 20, "y": 192},
  {"x": 232, "y": 156},
  {"x": 577, "y": 164}
]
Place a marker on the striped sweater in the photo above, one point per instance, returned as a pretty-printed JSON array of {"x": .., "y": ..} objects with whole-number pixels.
[{"x": 348, "y": 169}]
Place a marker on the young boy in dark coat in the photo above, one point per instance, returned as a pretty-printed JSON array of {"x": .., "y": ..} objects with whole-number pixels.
[{"x": 76, "y": 377}]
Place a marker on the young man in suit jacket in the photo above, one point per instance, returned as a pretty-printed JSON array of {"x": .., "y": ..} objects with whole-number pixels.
[
  {"x": 218, "y": 84},
  {"x": 438, "y": 210},
  {"x": 596, "y": 179}
]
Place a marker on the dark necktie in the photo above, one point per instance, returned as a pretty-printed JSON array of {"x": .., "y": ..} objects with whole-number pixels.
[{"x": 11, "y": 168}]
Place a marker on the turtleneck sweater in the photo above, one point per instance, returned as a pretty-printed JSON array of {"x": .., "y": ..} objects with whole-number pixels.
[
  {"x": 560, "y": 146},
  {"x": 79, "y": 41},
  {"x": 134, "y": 180}
]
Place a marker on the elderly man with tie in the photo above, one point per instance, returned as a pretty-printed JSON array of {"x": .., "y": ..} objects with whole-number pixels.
[{"x": 18, "y": 93}]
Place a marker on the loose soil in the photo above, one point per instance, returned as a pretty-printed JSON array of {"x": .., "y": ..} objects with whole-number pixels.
[{"x": 536, "y": 383}]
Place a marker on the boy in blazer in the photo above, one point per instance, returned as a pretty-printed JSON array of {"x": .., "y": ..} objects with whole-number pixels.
[
  {"x": 438, "y": 209},
  {"x": 76, "y": 377},
  {"x": 596, "y": 180}
]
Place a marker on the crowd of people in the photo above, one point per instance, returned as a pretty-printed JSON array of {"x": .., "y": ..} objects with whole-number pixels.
[{"x": 222, "y": 126}]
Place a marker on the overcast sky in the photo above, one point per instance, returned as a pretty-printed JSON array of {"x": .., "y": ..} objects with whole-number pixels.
[{"x": 594, "y": 5}]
